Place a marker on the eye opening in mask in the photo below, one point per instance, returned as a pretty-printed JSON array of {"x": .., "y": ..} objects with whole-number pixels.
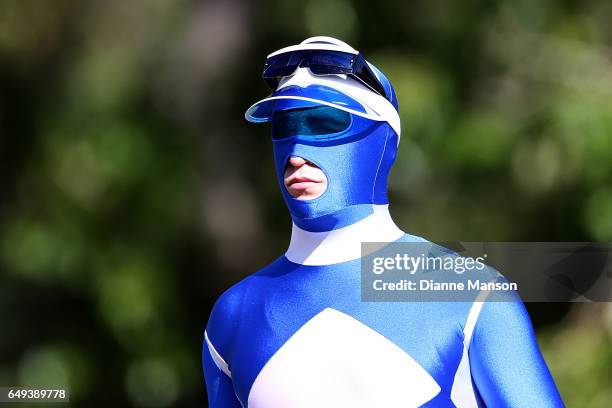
[{"x": 318, "y": 122}]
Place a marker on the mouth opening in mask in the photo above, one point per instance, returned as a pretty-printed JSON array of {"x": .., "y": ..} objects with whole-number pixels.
[{"x": 303, "y": 179}]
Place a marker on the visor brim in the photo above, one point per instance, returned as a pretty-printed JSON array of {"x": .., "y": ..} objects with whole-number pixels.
[
  {"x": 304, "y": 89},
  {"x": 293, "y": 97}
]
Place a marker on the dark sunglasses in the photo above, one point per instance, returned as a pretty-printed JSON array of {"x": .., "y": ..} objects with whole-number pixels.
[{"x": 321, "y": 62}]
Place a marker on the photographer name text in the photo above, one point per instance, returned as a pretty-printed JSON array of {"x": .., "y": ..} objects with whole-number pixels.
[{"x": 430, "y": 285}]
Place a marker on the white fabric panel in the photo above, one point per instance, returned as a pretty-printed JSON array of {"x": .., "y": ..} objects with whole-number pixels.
[
  {"x": 343, "y": 244},
  {"x": 336, "y": 361},
  {"x": 462, "y": 392}
]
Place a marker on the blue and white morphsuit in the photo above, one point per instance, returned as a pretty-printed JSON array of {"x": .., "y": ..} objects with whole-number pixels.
[{"x": 296, "y": 334}]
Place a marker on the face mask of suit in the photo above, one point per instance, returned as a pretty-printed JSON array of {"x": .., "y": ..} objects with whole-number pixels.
[{"x": 355, "y": 153}]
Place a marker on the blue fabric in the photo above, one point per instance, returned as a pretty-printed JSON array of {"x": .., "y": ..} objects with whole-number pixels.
[
  {"x": 507, "y": 366},
  {"x": 336, "y": 219},
  {"x": 386, "y": 84},
  {"x": 356, "y": 162},
  {"x": 218, "y": 385},
  {"x": 252, "y": 320}
]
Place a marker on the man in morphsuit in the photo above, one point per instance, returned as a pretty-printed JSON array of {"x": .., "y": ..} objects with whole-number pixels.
[{"x": 296, "y": 334}]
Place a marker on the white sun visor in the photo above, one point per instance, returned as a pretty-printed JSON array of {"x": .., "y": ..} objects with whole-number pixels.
[{"x": 338, "y": 91}]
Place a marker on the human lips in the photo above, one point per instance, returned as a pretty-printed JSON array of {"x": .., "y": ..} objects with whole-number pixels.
[{"x": 301, "y": 182}]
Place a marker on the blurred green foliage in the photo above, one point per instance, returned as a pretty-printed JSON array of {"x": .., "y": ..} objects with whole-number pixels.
[{"x": 132, "y": 188}]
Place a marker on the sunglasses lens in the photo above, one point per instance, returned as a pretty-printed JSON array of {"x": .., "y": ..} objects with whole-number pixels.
[
  {"x": 272, "y": 82},
  {"x": 330, "y": 62},
  {"x": 278, "y": 66},
  {"x": 320, "y": 63}
]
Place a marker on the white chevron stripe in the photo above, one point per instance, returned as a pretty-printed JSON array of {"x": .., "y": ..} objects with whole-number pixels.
[
  {"x": 336, "y": 361},
  {"x": 219, "y": 362},
  {"x": 462, "y": 392}
]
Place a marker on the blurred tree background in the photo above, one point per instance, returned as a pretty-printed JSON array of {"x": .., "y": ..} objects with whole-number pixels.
[{"x": 133, "y": 192}]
